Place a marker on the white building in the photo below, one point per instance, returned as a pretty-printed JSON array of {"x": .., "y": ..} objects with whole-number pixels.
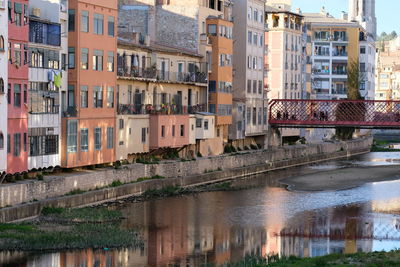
[
  {"x": 249, "y": 96},
  {"x": 47, "y": 78},
  {"x": 3, "y": 84},
  {"x": 363, "y": 11}
]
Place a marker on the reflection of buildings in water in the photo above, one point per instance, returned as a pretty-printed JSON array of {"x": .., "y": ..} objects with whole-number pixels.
[{"x": 335, "y": 230}]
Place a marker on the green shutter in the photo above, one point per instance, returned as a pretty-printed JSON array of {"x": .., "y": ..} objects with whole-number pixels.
[
  {"x": 18, "y": 8},
  {"x": 9, "y": 5}
]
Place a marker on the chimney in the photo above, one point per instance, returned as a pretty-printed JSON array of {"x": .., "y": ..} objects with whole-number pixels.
[{"x": 345, "y": 16}]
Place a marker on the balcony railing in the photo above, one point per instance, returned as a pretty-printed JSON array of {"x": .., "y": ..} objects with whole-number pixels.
[
  {"x": 162, "y": 109},
  {"x": 340, "y": 54},
  {"x": 339, "y": 72},
  {"x": 151, "y": 73},
  {"x": 339, "y": 91}
]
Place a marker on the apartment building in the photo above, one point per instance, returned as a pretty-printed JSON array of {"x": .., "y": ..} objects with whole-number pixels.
[
  {"x": 3, "y": 86},
  {"x": 220, "y": 35},
  {"x": 17, "y": 87},
  {"x": 284, "y": 53},
  {"x": 249, "y": 95},
  {"x": 334, "y": 43},
  {"x": 161, "y": 100},
  {"x": 47, "y": 76},
  {"x": 387, "y": 75},
  {"x": 88, "y": 121}
]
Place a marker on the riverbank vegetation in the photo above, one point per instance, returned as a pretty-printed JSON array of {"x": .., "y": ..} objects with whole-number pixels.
[
  {"x": 384, "y": 146},
  {"x": 381, "y": 259},
  {"x": 59, "y": 229}
]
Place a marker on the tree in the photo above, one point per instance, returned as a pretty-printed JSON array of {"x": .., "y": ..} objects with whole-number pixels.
[{"x": 354, "y": 78}]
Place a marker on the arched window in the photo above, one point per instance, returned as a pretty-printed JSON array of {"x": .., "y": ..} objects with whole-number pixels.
[
  {"x": 2, "y": 43},
  {"x": 1, "y": 141},
  {"x": 1, "y": 86}
]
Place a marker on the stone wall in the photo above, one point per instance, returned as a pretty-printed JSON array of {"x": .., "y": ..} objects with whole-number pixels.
[{"x": 59, "y": 185}]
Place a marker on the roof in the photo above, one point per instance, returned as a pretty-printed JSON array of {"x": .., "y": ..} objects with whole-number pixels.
[
  {"x": 205, "y": 113},
  {"x": 271, "y": 9},
  {"x": 324, "y": 19}
]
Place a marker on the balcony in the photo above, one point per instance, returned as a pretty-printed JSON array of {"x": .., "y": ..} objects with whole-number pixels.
[
  {"x": 135, "y": 72},
  {"x": 339, "y": 72},
  {"x": 71, "y": 112},
  {"x": 44, "y": 33},
  {"x": 341, "y": 91},
  {"x": 47, "y": 110},
  {"x": 162, "y": 109}
]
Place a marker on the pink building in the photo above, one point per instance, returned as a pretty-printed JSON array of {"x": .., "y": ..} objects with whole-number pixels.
[
  {"x": 17, "y": 92},
  {"x": 169, "y": 131}
]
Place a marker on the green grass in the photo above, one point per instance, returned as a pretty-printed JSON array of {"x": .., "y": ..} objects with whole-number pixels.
[
  {"x": 170, "y": 190},
  {"x": 75, "y": 192},
  {"x": 60, "y": 228},
  {"x": 373, "y": 259}
]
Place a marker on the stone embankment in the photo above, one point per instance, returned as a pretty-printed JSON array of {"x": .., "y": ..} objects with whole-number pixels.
[{"x": 25, "y": 199}]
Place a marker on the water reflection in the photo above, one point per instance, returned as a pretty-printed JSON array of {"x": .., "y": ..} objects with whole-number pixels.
[{"x": 219, "y": 227}]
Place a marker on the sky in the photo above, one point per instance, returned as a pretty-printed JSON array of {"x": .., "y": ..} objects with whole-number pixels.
[{"x": 387, "y": 11}]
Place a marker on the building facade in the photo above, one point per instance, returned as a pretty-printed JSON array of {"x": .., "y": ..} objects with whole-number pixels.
[
  {"x": 47, "y": 76},
  {"x": 363, "y": 11},
  {"x": 249, "y": 95},
  {"x": 88, "y": 121},
  {"x": 3, "y": 86},
  {"x": 220, "y": 35},
  {"x": 334, "y": 45},
  {"x": 17, "y": 87},
  {"x": 161, "y": 100}
]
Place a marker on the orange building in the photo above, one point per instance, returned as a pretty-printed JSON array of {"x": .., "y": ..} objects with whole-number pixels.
[
  {"x": 219, "y": 33},
  {"x": 89, "y": 104}
]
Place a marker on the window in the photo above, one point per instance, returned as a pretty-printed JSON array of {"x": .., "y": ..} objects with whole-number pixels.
[
  {"x": 17, "y": 144},
  {"x": 84, "y": 96},
  {"x": 162, "y": 131},
  {"x": 98, "y": 60},
  {"x": 254, "y": 63},
  {"x": 362, "y": 50},
  {"x": 63, "y": 61},
  {"x": 71, "y": 57},
  {"x": 212, "y": 29},
  {"x": 249, "y": 86},
  {"x": 110, "y": 97},
  {"x": 143, "y": 135},
  {"x": 182, "y": 130},
  {"x": 97, "y": 97},
  {"x": 362, "y": 67},
  {"x": 110, "y": 61},
  {"x": 85, "y": 58},
  {"x": 205, "y": 124},
  {"x": 111, "y": 26},
  {"x": 17, "y": 95},
  {"x": 121, "y": 124},
  {"x": 249, "y": 62},
  {"x": 199, "y": 123},
  {"x": 98, "y": 23},
  {"x": 259, "y": 115},
  {"x": 25, "y": 94},
  {"x": 71, "y": 20},
  {"x": 254, "y": 87},
  {"x": 1, "y": 141},
  {"x": 265, "y": 116},
  {"x": 260, "y": 86},
  {"x": 8, "y": 144},
  {"x": 97, "y": 138},
  {"x": 84, "y": 139},
  {"x": 249, "y": 37},
  {"x": 85, "y": 21},
  {"x": 255, "y": 17},
  {"x": 71, "y": 96},
  {"x": 17, "y": 55},
  {"x": 254, "y": 116},
  {"x": 110, "y": 137},
  {"x": 72, "y": 130},
  {"x": 249, "y": 11},
  {"x": 1, "y": 86},
  {"x": 248, "y": 116},
  {"x": 173, "y": 130},
  {"x": 18, "y": 14},
  {"x": 2, "y": 48},
  {"x": 9, "y": 94}
]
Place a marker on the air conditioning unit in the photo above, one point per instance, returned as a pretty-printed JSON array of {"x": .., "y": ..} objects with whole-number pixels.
[
  {"x": 36, "y": 12},
  {"x": 2, "y": 4}
]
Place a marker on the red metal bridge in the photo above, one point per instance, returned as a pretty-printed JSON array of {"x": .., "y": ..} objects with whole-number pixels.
[{"x": 366, "y": 114}]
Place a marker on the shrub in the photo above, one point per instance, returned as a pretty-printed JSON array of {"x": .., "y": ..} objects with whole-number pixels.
[
  {"x": 239, "y": 149},
  {"x": 199, "y": 154},
  {"x": 117, "y": 164},
  {"x": 254, "y": 147},
  {"x": 26, "y": 176},
  {"x": 116, "y": 183},
  {"x": 233, "y": 149},
  {"x": 259, "y": 146},
  {"x": 52, "y": 210},
  {"x": 18, "y": 177},
  {"x": 39, "y": 176},
  {"x": 246, "y": 148},
  {"x": 227, "y": 149},
  {"x": 10, "y": 178}
]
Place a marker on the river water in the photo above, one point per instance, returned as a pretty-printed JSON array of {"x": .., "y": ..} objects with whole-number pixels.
[{"x": 262, "y": 218}]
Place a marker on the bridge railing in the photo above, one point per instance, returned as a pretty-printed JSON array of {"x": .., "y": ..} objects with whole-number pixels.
[{"x": 332, "y": 113}]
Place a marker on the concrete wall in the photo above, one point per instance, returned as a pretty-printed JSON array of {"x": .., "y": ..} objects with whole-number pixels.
[{"x": 54, "y": 186}]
